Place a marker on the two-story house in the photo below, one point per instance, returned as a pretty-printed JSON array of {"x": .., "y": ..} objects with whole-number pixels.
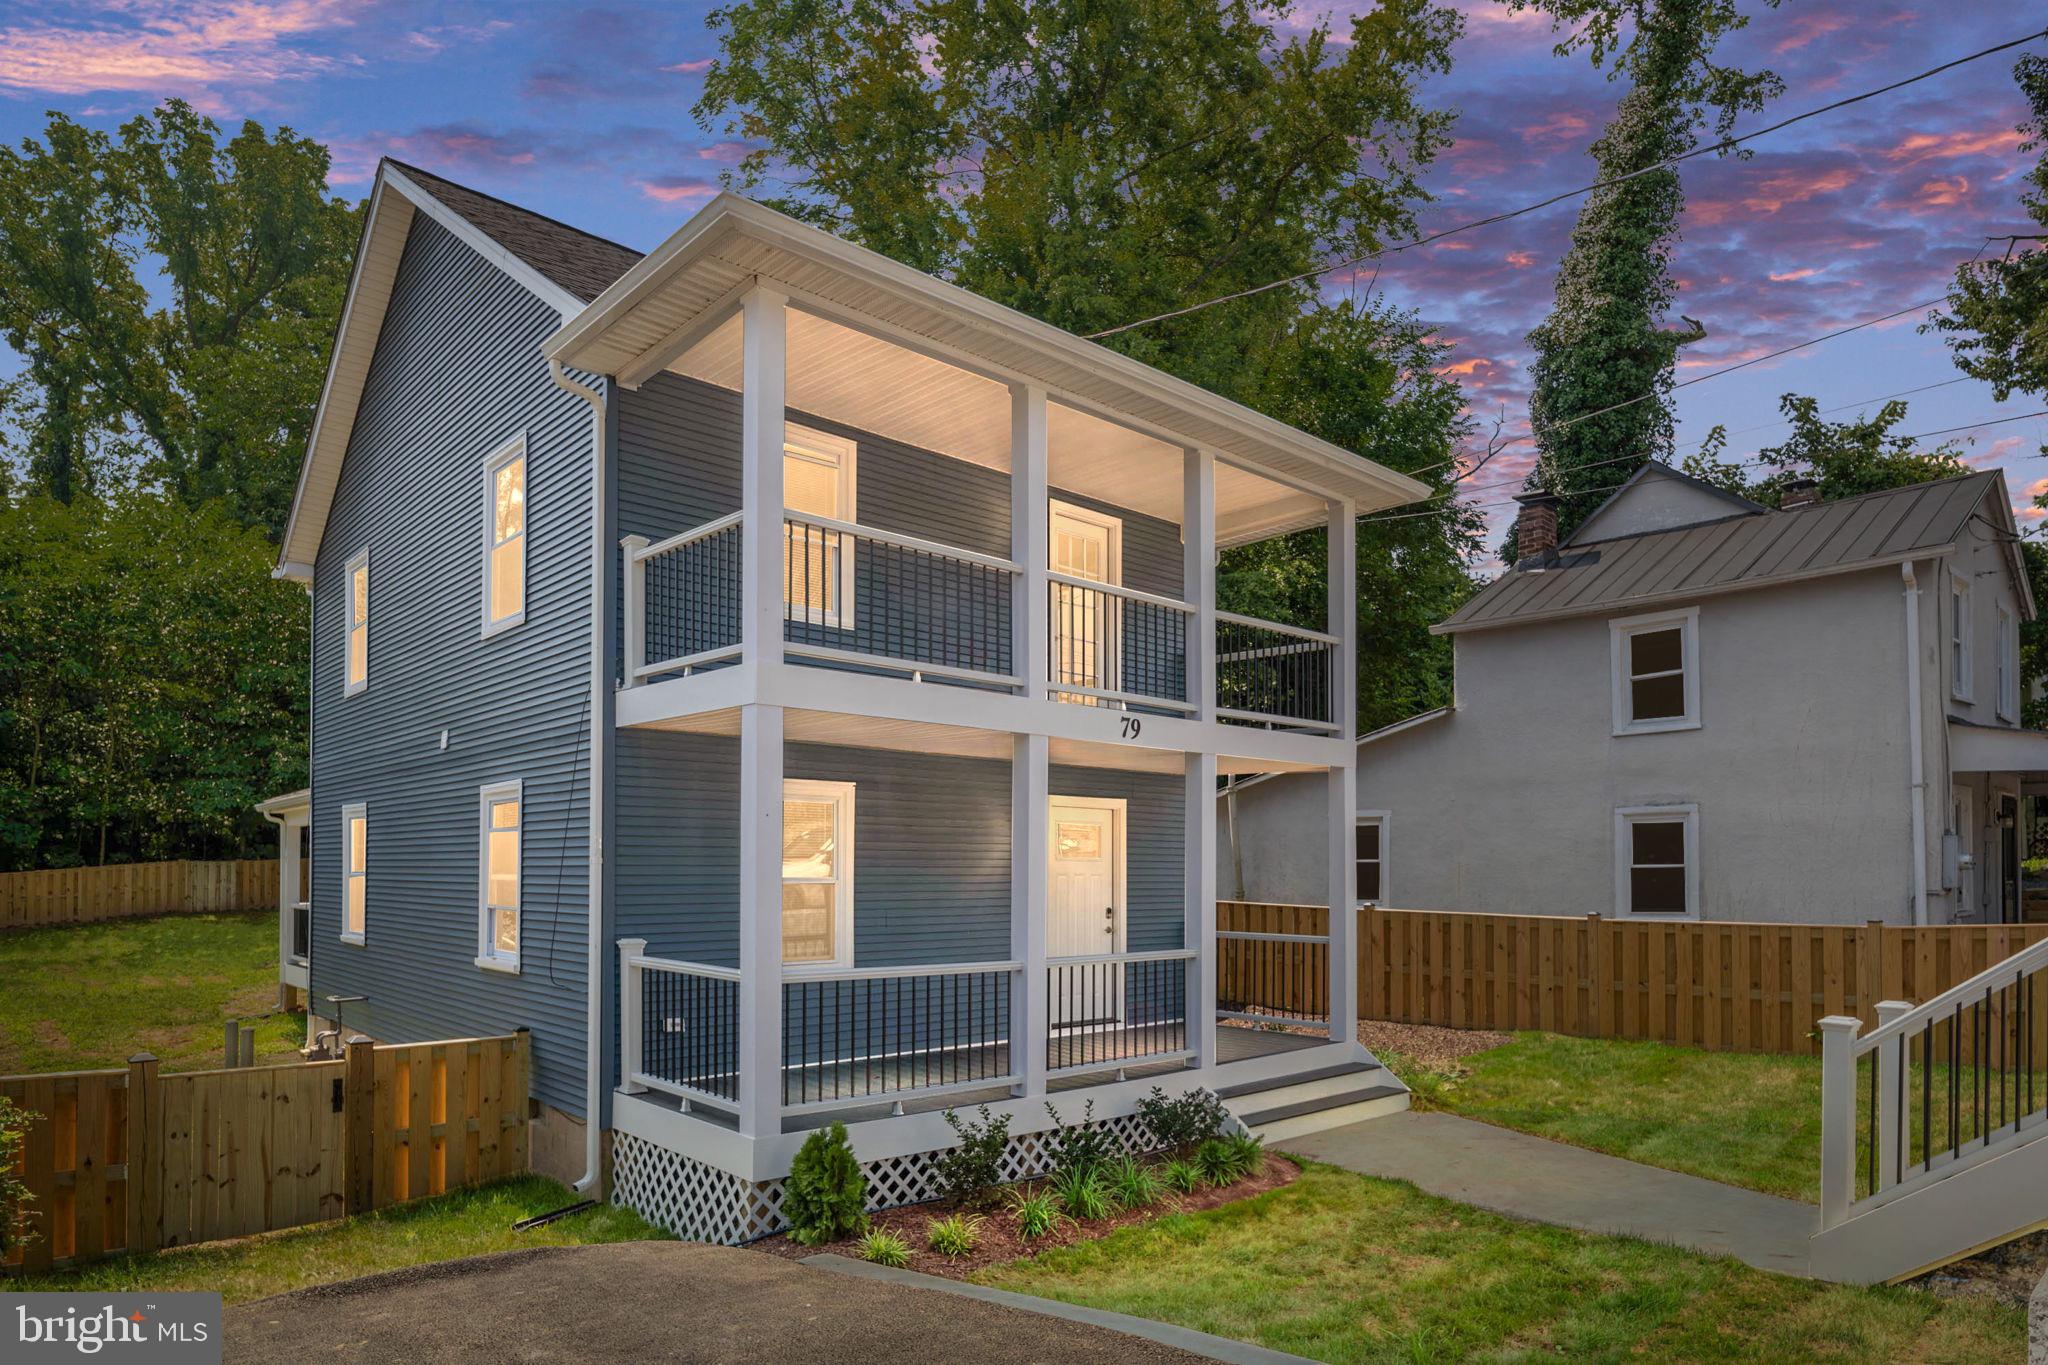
[
  {"x": 1697, "y": 707},
  {"x": 792, "y": 687}
]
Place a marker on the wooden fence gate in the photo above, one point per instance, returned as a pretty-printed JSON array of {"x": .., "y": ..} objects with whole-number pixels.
[{"x": 134, "y": 1160}]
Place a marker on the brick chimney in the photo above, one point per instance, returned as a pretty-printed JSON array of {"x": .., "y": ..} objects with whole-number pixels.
[
  {"x": 1536, "y": 525},
  {"x": 1800, "y": 492}
]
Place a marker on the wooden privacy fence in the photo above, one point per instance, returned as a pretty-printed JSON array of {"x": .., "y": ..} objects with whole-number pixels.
[
  {"x": 1739, "y": 987},
  {"x": 134, "y": 1160},
  {"x": 81, "y": 895}
]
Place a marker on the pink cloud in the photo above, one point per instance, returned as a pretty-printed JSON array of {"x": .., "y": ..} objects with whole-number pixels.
[
  {"x": 1804, "y": 272},
  {"x": 1521, "y": 260},
  {"x": 690, "y": 68},
  {"x": 674, "y": 189},
  {"x": 1560, "y": 125},
  {"x": 1918, "y": 147},
  {"x": 1805, "y": 28},
  {"x": 162, "y": 49},
  {"x": 1773, "y": 192},
  {"x": 723, "y": 151}
]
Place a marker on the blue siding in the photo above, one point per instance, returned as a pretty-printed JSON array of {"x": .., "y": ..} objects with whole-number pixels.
[{"x": 457, "y": 371}]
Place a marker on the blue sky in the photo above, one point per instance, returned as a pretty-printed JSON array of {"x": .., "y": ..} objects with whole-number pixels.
[{"x": 583, "y": 112}]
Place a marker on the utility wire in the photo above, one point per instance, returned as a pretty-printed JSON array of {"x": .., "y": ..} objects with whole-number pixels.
[{"x": 1720, "y": 146}]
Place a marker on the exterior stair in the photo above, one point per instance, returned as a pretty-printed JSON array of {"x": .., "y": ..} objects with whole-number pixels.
[{"x": 1292, "y": 1106}]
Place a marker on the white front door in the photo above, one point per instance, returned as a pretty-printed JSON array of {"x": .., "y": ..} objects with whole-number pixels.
[
  {"x": 1085, "y": 546},
  {"x": 1086, "y": 913}
]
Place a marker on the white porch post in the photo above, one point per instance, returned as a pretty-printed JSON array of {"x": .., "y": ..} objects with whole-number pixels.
[
  {"x": 760, "y": 1021},
  {"x": 632, "y": 1028},
  {"x": 1891, "y": 1059},
  {"x": 1030, "y": 538},
  {"x": 1343, "y": 783},
  {"x": 763, "y": 404},
  {"x": 1837, "y": 1116},
  {"x": 287, "y": 883},
  {"x": 634, "y": 607},
  {"x": 1030, "y": 866},
  {"x": 1199, "y": 932},
  {"x": 1198, "y": 578}
]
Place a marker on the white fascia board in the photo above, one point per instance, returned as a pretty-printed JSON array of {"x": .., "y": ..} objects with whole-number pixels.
[{"x": 736, "y": 214}]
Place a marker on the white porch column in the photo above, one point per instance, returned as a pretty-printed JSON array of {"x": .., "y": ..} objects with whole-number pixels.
[
  {"x": 287, "y": 883},
  {"x": 763, "y": 403},
  {"x": 1837, "y": 1116},
  {"x": 760, "y": 1021},
  {"x": 1030, "y": 538},
  {"x": 1030, "y": 868},
  {"x": 1343, "y": 779},
  {"x": 1200, "y": 925},
  {"x": 1198, "y": 583}
]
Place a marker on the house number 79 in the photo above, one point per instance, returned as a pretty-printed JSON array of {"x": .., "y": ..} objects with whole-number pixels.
[{"x": 1132, "y": 726}]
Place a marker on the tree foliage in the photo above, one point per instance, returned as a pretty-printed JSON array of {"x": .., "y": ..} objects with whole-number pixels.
[
  {"x": 1863, "y": 455},
  {"x": 1093, "y": 163},
  {"x": 1605, "y": 344},
  {"x": 209, "y": 392},
  {"x": 152, "y": 682}
]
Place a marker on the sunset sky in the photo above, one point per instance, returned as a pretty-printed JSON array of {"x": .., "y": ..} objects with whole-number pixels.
[{"x": 583, "y": 112}]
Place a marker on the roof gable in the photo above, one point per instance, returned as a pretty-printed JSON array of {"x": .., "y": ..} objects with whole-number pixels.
[{"x": 1659, "y": 498}]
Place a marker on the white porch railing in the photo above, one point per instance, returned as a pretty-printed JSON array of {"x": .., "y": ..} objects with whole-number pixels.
[
  {"x": 1115, "y": 646},
  {"x": 682, "y": 599},
  {"x": 891, "y": 1033},
  {"x": 1272, "y": 978},
  {"x": 1116, "y": 1009},
  {"x": 679, "y": 1027},
  {"x": 1270, "y": 674}
]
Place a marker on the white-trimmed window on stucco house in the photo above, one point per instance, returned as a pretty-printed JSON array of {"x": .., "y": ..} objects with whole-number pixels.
[
  {"x": 500, "y": 835},
  {"x": 355, "y": 872},
  {"x": 817, "y": 874},
  {"x": 1657, "y": 862},
  {"x": 1959, "y": 637},
  {"x": 1369, "y": 858},
  {"x": 1656, "y": 679}
]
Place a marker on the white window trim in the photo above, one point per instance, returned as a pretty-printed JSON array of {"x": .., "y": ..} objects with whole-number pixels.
[
  {"x": 355, "y": 810},
  {"x": 811, "y": 443},
  {"x": 1056, "y": 509},
  {"x": 511, "y": 450},
  {"x": 359, "y": 560},
  {"x": 807, "y": 789},
  {"x": 2008, "y": 665},
  {"x": 1625, "y": 817},
  {"x": 1385, "y": 820},
  {"x": 1962, "y": 686},
  {"x": 1620, "y": 631},
  {"x": 487, "y": 956}
]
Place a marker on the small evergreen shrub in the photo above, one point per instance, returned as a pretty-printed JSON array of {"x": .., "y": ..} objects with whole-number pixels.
[
  {"x": 972, "y": 1171},
  {"x": 826, "y": 1194},
  {"x": 1223, "y": 1160},
  {"x": 1036, "y": 1214},
  {"x": 1082, "y": 1194},
  {"x": 884, "y": 1247},
  {"x": 955, "y": 1236},
  {"x": 1182, "y": 1176},
  {"x": 1132, "y": 1183},
  {"x": 14, "y": 1195},
  {"x": 1080, "y": 1146},
  {"x": 1183, "y": 1122}
]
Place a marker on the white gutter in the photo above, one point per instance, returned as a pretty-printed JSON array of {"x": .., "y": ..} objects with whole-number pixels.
[
  {"x": 593, "y": 1055},
  {"x": 1915, "y": 742}
]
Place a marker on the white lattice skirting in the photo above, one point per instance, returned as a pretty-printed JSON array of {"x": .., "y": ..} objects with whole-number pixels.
[{"x": 701, "y": 1203}]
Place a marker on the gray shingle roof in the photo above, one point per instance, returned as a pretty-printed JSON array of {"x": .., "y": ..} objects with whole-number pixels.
[
  {"x": 1738, "y": 551},
  {"x": 577, "y": 261}
]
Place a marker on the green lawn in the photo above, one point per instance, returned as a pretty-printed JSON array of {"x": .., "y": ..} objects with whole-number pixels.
[
  {"x": 468, "y": 1223},
  {"x": 92, "y": 995},
  {"x": 1343, "y": 1267}
]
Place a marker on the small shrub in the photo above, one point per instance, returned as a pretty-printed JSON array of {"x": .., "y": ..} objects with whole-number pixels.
[
  {"x": 1036, "y": 1214},
  {"x": 14, "y": 1195},
  {"x": 826, "y": 1194},
  {"x": 1183, "y": 1122},
  {"x": 1080, "y": 1146},
  {"x": 884, "y": 1247},
  {"x": 955, "y": 1236},
  {"x": 1082, "y": 1193},
  {"x": 1182, "y": 1176},
  {"x": 1223, "y": 1160},
  {"x": 1132, "y": 1183},
  {"x": 971, "y": 1172}
]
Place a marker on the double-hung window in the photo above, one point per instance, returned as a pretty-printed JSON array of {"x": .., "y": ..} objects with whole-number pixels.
[
  {"x": 2008, "y": 666},
  {"x": 505, "y": 536},
  {"x": 817, "y": 559},
  {"x": 501, "y": 826},
  {"x": 1369, "y": 858},
  {"x": 355, "y": 906},
  {"x": 1960, "y": 681},
  {"x": 1656, "y": 861},
  {"x": 1656, "y": 672},
  {"x": 356, "y": 625},
  {"x": 817, "y": 874}
]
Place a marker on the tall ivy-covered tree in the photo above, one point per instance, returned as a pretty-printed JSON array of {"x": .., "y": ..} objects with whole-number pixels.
[
  {"x": 1095, "y": 162},
  {"x": 1602, "y": 372},
  {"x": 211, "y": 394}
]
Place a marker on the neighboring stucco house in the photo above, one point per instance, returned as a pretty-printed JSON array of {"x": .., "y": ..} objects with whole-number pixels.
[
  {"x": 791, "y": 687},
  {"x": 1698, "y": 707}
]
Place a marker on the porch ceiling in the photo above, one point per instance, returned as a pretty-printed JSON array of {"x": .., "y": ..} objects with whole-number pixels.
[
  {"x": 925, "y": 737},
  {"x": 833, "y": 371}
]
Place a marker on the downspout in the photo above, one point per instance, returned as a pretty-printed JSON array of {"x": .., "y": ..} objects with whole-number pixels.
[
  {"x": 1915, "y": 742},
  {"x": 593, "y": 1056}
]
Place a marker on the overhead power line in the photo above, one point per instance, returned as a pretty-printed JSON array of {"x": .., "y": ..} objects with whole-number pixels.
[{"x": 1719, "y": 146}]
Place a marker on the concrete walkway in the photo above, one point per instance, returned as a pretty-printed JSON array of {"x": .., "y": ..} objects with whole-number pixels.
[{"x": 1548, "y": 1182}]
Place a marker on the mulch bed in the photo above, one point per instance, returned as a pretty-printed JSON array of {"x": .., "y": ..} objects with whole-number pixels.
[
  {"x": 2004, "y": 1274},
  {"x": 1433, "y": 1048},
  {"x": 999, "y": 1239}
]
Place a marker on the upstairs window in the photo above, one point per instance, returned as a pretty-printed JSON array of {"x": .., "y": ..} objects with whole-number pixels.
[
  {"x": 356, "y": 623},
  {"x": 1369, "y": 859},
  {"x": 1656, "y": 672},
  {"x": 1960, "y": 680},
  {"x": 354, "y": 873},
  {"x": 505, "y": 536},
  {"x": 817, "y": 874},
  {"x": 1656, "y": 861},
  {"x": 817, "y": 560},
  {"x": 499, "y": 814},
  {"x": 2008, "y": 666}
]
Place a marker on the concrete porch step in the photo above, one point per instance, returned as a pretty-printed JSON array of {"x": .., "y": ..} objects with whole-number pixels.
[
  {"x": 1349, "y": 1073},
  {"x": 1297, "y": 1117}
]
